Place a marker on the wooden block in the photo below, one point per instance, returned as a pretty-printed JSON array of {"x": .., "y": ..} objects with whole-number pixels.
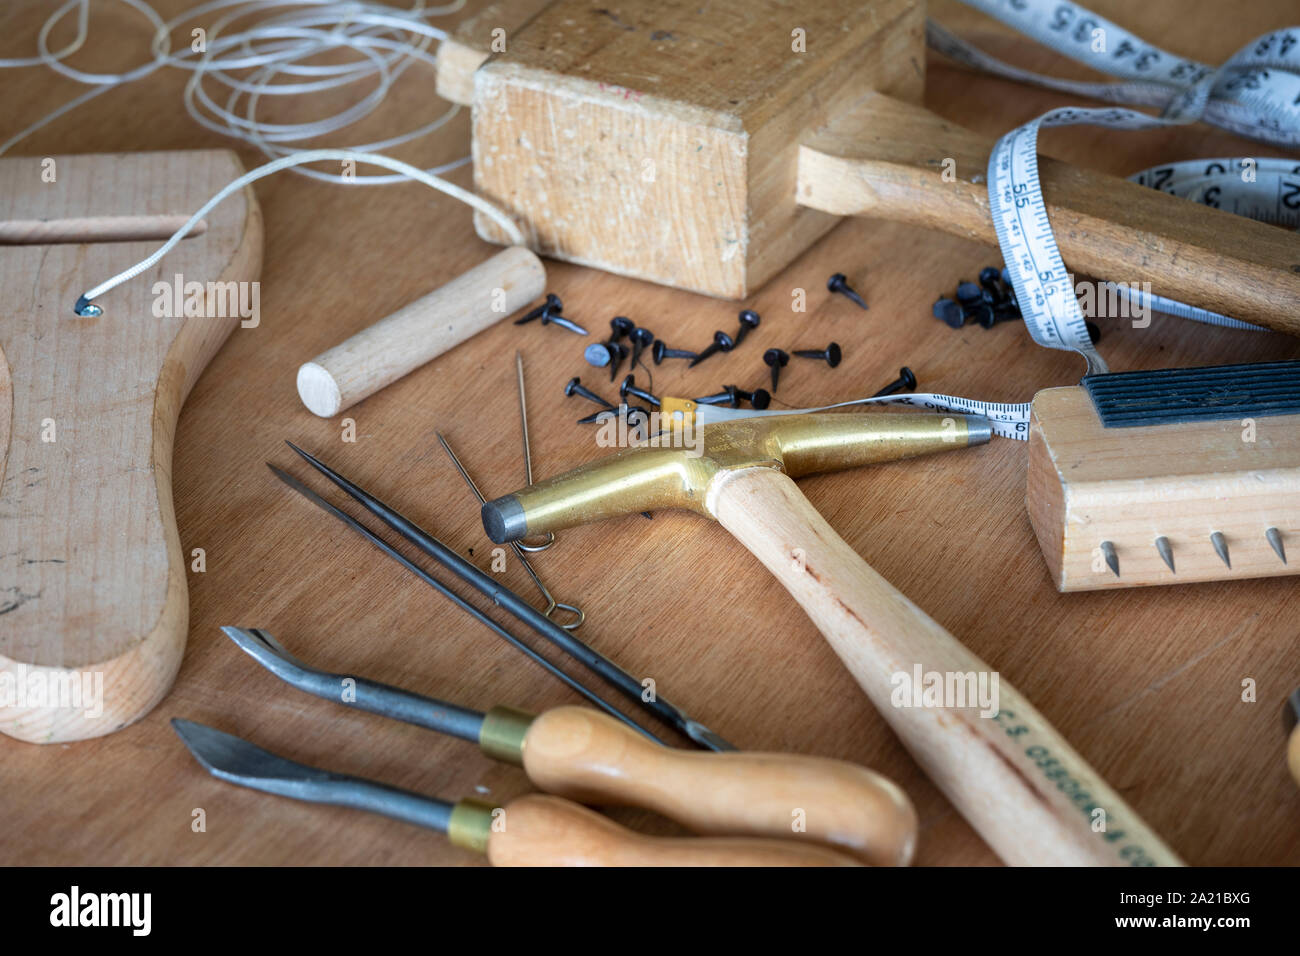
[
  {"x": 660, "y": 140},
  {"x": 1088, "y": 484},
  {"x": 707, "y": 146},
  {"x": 92, "y": 572}
]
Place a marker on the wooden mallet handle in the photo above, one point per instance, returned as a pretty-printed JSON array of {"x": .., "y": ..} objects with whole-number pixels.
[
  {"x": 592, "y": 758},
  {"x": 886, "y": 158},
  {"x": 1019, "y": 783},
  {"x": 540, "y": 830},
  {"x": 421, "y": 331}
]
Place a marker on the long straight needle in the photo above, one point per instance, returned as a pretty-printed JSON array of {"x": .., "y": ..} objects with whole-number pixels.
[
  {"x": 503, "y": 597},
  {"x": 455, "y": 598},
  {"x": 528, "y": 451}
]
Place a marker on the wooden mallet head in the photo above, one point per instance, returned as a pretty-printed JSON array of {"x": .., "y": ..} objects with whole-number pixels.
[
  {"x": 660, "y": 140},
  {"x": 705, "y": 146}
]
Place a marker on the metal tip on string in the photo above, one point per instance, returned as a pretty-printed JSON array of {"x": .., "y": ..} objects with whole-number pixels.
[{"x": 87, "y": 309}]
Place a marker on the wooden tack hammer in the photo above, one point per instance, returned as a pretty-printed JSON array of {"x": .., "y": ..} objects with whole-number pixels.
[
  {"x": 1019, "y": 783},
  {"x": 702, "y": 146}
]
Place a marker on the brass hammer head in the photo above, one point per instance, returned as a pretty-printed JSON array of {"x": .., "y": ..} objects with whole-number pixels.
[{"x": 676, "y": 468}]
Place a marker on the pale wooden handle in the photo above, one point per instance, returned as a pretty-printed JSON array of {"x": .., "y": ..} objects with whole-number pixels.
[
  {"x": 540, "y": 830},
  {"x": 888, "y": 159},
  {"x": 419, "y": 332},
  {"x": 1012, "y": 776},
  {"x": 590, "y": 757}
]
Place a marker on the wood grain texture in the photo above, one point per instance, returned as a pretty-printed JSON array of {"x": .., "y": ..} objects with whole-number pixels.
[
  {"x": 1128, "y": 486},
  {"x": 1293, "y": 754},
  {"x": 542, "y": 830},
  {"x": 660, "y": 139},
  {"x": 885, "y": 159},
  {"x": 94, "y": 596},
  {"x": 590, "y": 757},
  {"x": 1009, "y": 772},
  {"x": 1146, "y": 683},
  {"x": 420, "y": 331},
  {"x": 472, "y": 42}
]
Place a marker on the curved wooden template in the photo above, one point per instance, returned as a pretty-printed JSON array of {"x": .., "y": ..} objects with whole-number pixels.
[{"x": 136, "y": 661}]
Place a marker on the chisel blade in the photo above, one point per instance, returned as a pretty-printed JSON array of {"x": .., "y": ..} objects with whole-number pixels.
[
  {"x": 236, "y": 761},
  {"x": 355, "y": 691}
]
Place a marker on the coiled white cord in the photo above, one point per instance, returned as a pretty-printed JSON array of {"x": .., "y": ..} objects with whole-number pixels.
[{"x": 258, "y": 49}]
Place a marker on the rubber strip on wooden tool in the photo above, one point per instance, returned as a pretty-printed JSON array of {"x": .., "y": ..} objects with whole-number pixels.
[{"x": 1165, "y": 396}]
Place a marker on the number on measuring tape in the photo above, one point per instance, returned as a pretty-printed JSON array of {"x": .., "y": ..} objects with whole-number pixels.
[{"x": 1255, "y": 93}]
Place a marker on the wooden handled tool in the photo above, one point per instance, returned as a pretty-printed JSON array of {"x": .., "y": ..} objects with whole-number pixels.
[
  {"x": 542, "y": 830},
  {"x": 93, "y": 606},
  {"x": 533, "y": 830},
  {"x": 592, "y": 758},
  {"x": 633, "y": 146},
  {"x": 421, "y": 331},
  {"x": 1017, "y": 781}
]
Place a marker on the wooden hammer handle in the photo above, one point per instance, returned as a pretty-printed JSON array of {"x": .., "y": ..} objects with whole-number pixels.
[
  {"x": 887, "y": 159},
  {"x": 540, "y": 830},
  {"x": 1023, "y": 788},
  {"x": 590, "y": 757}
]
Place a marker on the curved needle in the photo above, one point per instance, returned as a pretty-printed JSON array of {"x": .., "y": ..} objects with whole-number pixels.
[{"x": 551, "y": 603}]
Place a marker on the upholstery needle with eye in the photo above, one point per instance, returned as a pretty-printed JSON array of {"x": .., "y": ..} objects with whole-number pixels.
[
  {"x": 551, "y": 603},
  {"x": 460, "y": 602},
  {"x": 504, "y": 598},
  {"x": 528, "y": 453}
]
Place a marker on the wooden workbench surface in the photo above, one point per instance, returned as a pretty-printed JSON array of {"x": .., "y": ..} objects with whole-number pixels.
[{"x": 1147, "y": 684}]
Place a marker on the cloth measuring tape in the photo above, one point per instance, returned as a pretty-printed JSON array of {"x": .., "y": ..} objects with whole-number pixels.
[
  {"x": 1256, "y": 93},
  {"x": 1007, "y": 420}
]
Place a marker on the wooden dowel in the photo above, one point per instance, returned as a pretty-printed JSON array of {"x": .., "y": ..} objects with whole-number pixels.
[{"x": 421, "y": 331}]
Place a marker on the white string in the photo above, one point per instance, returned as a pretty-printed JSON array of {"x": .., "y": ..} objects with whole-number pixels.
[
  {"x": 83, "y": 19},
  {"x": 84, "y": 306},
  {"x": 259, "y": 49}
]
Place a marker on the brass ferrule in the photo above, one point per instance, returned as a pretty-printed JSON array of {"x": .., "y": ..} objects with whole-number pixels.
[
  {"x": 470, "y": 824},
  {"x": 675, "y": 469},
  {"x": 502, "y": 734}
]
